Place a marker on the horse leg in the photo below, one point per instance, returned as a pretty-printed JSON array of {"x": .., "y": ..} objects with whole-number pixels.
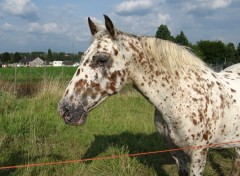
[
  {"x": 181, "y": 159},
  {"x": 198, "y": 160},
  {"x": 179, "y": 156},
  {"x": 236, "y": 163}
]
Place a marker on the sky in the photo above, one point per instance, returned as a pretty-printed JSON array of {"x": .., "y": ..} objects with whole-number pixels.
[{"x": 39, "y": 25}]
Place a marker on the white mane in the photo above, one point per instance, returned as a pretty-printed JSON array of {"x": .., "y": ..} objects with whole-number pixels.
[
  {"x": 174, "y": 57},
  {"x": 171, "y": 55}
]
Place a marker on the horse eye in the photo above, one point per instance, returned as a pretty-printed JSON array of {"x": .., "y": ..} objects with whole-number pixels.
[{"x": 101, "y": 61}]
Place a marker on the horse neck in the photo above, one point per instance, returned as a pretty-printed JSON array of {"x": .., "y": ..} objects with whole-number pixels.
[
  {"x": 156, "y": 81},
  {"x": 153, "y": 82}
]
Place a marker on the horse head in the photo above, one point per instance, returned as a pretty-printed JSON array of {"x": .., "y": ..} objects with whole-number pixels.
[{"x": 102, "y": 72}]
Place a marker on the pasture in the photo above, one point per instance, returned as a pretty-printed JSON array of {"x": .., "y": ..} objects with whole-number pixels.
[
  {"x": 31, "y": 131},
  {"x": 25, "y": 74}
]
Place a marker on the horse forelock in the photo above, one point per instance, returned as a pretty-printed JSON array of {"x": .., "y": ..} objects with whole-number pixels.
[{"x": 172, "y": 56}]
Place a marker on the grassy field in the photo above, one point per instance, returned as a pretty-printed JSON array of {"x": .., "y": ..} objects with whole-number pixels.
[
  {"x": 31, "y": 131},
  {"x": 26, "y": 74},
  {"x": 26, "y": 81}
]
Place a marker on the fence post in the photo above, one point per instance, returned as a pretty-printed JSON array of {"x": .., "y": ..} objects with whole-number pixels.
[{"x": 15, "y": 80}]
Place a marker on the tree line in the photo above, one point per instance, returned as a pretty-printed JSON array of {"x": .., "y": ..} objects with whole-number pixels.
[
  {"x": 7, "y": 57},
  {"x": 212, "y": 52}
]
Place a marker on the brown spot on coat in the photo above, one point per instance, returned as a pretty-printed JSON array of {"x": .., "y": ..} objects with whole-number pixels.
[
  {"x": 78, "y": 72},
  {"x": 214, "y": 75},
  {"x": 206, "y": 135},
  {"x": 177, "y": 74},
  {"x": 197, "y": 90},
  {"x": 193, "y": 136},
  {"x": 80, "y": 85},
  {"x": 232, "y": 90},
  {"x": 133, "y": 47},
  {"x": 115, "y": 51},
  {"x": 96, "y": 86},
  {"x": 195, "y": 122},
  {"x": 201, "y": 116},
  {"x": 87, "y": 61},
  {"x": 112, "y": 87},
  {"x": 66, "y": 92}
]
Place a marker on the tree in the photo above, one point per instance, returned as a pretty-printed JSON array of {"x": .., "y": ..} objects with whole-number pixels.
[
  {"x": 231, "y": 53},
  {"x": 164, "y": 33},
  {"x": 238, "y": 52},
  {"x": 182, "y": 39},
  {"x": 6, "y": 57},
  {"x": 213, "y": 51},
  {"x": 49, "y": 55},
  {"x": 197, "y": 51},
  {"x": 61, "y": 56},
  {"x": 40, "y": 54},
  {"x": 16, "y": 57}
]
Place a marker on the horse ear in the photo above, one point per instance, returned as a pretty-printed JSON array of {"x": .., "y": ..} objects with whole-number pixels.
[
  {"x": 92, "y": 26},
  {"x": 109, "y": 25}
]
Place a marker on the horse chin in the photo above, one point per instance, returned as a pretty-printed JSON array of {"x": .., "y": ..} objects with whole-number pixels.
[
  {"x": 82, "y": 119},
  {"x": 77, "y": 121}
]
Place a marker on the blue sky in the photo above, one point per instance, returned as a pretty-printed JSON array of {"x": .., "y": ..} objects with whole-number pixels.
[{"x": 37, "y": 25}]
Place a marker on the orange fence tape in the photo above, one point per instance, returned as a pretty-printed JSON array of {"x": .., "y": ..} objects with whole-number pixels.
[{"x": 114, "y": 157}]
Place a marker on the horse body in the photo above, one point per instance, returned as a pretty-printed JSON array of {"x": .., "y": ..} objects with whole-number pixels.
[
  {"x": 195, "y": 106},
  {"x": 188, "y": 98}
]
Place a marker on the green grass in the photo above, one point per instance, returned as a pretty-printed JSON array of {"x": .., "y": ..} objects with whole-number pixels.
[
  {"x": 31, "y": 131},
  {"x": 25, "y": 74}
]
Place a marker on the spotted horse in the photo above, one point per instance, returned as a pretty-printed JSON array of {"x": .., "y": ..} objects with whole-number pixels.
[{"x": 194, "y": 106}]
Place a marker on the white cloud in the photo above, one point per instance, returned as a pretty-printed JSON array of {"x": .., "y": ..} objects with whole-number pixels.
[
  {"x": 214, "y": 4},
  {"x": 34, "y": 27},
  {"x": 130, "y": 15},
  {"x": 163, "y": 18},
  {"x": 46, "y": 28},
  {"x": 207, "y": 4},
  {"x": 134, "y": 6},
  {"x": 7, "y": 26},
  {"x": 22, "y": 8},
  {"x": 220, "y": 3},
  {"x": 51, "y": 28},
  {"x": 67, "y": 21},
  {"x": 136, "y": 25}
]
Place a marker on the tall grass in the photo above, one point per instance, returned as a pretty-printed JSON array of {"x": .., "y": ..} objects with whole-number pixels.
[
  {"x": 31, "y": 131},
  {"x": 26, "y": 74}
]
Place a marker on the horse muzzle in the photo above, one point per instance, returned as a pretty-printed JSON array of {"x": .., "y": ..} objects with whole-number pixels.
[{"x": 72, "y": 115}]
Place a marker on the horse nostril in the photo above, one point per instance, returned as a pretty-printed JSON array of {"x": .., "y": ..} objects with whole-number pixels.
[{"x": 66, "y": 112}]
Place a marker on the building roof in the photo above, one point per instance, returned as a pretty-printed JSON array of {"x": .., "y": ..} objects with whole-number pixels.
[
  {"x": 69, "y": 62},
  {"x": 26, "y": 60}
]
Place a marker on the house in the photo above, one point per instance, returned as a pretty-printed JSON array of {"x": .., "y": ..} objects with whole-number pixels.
[
  {"x": 70, "y": 63},
  {"x": 57, "y": 63},
  {"x": 65, "y": 63},
  {"x": 31, "y": 62}
]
